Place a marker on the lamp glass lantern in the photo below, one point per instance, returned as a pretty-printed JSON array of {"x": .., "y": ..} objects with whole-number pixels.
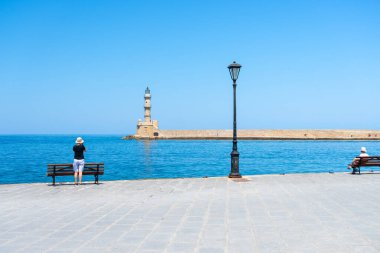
[{"x": 234, "y": 69}]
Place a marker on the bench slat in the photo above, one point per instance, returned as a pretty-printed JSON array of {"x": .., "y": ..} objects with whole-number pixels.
[
  {"x": 71, "y": 167},
  {"x": 71, "y": 170},
  {"x": 68, "y": 164}
]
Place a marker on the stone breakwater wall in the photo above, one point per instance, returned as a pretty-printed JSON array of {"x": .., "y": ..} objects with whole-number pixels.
[{"x": 267, "y": 134}]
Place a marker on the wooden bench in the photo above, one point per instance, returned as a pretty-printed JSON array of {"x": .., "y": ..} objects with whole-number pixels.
[
  {"x": 66, "y": 169},
  {"x": 366, "y": 162}
]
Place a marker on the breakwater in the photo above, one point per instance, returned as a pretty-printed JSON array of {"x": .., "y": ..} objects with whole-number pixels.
[{"x": 298, "y": 134}]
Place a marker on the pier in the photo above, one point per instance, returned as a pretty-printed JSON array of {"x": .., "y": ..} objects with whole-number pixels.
[{"x": 245, "y": 134}]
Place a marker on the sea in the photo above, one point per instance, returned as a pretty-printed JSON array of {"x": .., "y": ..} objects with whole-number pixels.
[{"x": 24, "y": 158}]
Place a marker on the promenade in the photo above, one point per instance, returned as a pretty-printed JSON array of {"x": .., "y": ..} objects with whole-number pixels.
[{"x": 272, "y": 213}]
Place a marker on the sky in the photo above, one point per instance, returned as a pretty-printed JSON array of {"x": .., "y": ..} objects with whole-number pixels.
[{"x": 81, "y": 67}]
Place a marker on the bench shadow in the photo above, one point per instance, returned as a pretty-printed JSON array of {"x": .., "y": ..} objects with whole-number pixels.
[
  {"x": 366, "y": 173},
  {"x": 72, "y": 184}
]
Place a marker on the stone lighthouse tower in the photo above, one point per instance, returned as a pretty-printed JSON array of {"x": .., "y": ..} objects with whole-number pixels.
[
  {"x": 147, "y": 105},
  {"x": 147, "y": 129}
]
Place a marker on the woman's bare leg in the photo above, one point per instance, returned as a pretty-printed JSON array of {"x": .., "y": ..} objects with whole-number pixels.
[
  {"x": 355, "y": 162},
  {"x": 75, "y": 177},
  {"x": 80, "y": 177}
]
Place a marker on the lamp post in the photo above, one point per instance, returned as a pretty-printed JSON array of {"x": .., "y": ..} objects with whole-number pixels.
[{"x": 234, "y": 69}]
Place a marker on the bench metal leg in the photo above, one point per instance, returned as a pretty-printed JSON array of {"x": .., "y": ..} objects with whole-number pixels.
[
  {"x": 354, "y": 170},
  {"x": 53, "y": 180},
  {"x": 96, "y": 179}
]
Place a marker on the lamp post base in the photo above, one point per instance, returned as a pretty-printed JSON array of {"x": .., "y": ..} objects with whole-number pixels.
[
  {"x": 234, "y": 175},
  {"x": 234, "y": 165}
]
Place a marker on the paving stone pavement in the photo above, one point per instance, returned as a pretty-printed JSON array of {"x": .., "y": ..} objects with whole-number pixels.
[{"x": 272, "y": 213}]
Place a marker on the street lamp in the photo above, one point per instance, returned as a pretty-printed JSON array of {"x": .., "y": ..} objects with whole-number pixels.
[{"x": 234, "y": 69}]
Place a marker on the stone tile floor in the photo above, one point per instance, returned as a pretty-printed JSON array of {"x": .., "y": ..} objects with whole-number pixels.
[{"x": 272, "y": 213}]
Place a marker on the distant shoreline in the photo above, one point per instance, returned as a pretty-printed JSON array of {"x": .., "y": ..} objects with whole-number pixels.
[{"x": 302, "y": 134}]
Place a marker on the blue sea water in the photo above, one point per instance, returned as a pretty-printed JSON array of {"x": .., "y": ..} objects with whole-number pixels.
[{"x": 24, "y": 158}]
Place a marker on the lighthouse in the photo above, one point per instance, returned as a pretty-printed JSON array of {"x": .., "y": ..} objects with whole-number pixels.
[
  {"x": 147, "y": 105},
  {"x": 147, "y": 129}
]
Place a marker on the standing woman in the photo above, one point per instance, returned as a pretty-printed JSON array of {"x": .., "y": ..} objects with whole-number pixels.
[{"x": 78, "y": 164}]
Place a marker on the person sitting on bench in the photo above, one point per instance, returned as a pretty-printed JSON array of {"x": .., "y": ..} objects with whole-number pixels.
[{"x": 355, "y": 161}]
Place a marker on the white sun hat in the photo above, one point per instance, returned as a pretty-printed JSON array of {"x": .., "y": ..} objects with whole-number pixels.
[
  {"x": 363, "y": 149},
  {"x": 79, "y": 140}
]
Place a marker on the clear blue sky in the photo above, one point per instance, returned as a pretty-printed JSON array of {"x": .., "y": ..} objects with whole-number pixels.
[{"x": 82, "y": 66}]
